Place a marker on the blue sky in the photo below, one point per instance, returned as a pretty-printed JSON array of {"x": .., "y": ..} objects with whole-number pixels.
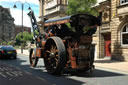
[{"x": 16, "y": 12}]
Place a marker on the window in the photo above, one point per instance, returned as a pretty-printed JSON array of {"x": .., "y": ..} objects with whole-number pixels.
[
  {"x": 122, "y": 2},
  {"x": 64, "y": 2},
  {"x": 124, "y": 35},
  {"x": 47, "y": 1},
  {"x": 59, "y": 1}
]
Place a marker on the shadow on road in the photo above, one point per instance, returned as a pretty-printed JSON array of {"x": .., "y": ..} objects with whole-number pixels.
[
  {"x": 64, "y": 79},
  {"x": 99, "y": 73},
  {"x": 40, "y": 73}
]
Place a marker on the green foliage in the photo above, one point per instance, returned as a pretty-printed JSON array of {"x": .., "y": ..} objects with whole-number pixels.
[
  {"x": 3, "y": 43},
  {"x": 70, "y": 28},
  {"x": 10, "y": 43},
  {"x": 23, "y": 38},
  {"x": 85, "y": 29},
  {"x": 81, "y": 6}
]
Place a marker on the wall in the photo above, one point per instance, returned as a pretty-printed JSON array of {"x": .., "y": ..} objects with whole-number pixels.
[{"x": 7, "y": 27}]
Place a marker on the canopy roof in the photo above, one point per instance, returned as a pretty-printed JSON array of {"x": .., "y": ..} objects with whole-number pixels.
[
  {"x": 78, "y": 19},
  {"x": 61, "y": 20}
]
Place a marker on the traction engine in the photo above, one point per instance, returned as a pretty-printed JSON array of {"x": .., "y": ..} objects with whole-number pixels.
[{"x": 66, "y": 43}]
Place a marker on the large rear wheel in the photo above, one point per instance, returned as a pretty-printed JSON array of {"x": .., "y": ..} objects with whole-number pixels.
[
  {"x": 32, "y": 58},
  {"x": 55, "y": 55}
]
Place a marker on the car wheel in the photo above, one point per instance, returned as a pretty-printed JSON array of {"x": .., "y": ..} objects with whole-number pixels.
[{"x": 15, "y": 57}]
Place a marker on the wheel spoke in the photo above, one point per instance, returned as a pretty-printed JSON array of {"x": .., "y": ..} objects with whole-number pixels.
[
  {"x": 33, "y": 57},
  {"x": 48, "y": 51},
  {"x": 49, "y": 59},
  {"x": 57, "y": 50},
  {"x": 56, "y": 59},
  {"x": 56, "y": 55}
]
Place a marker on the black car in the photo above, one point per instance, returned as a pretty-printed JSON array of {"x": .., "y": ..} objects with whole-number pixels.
[{"x": 8, "y": 51}]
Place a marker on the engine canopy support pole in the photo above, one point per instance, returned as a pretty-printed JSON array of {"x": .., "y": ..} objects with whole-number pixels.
[{"x": 41, "y": 2}]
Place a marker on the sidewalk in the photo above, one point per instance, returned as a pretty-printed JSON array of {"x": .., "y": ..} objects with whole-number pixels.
[
  {"x": 112, "y": 64},
  {"x": 25, "y": 52}
]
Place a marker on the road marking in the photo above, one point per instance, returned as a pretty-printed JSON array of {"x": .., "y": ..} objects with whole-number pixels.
[
  {"x": 41, "y": 78},
  {"x": 3, "y": 75},
  {"x": 28, "y": 73},
  {"x": 18, "y": 68},
  {"x": 8, "y": 71}
]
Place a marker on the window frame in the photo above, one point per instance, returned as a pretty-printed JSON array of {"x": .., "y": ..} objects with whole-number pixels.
[
  {"x": 123, "y": 3},
  {"x": 123, "y": 33}
]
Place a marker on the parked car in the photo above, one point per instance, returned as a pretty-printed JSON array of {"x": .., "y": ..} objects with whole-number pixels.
[{"x": 8, "y": 51}]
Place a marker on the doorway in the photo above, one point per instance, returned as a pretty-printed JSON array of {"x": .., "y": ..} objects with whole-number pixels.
[{"x": 107, "y": 45}]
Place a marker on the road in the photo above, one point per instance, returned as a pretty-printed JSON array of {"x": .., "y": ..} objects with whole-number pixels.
[{"x": 39, "y": 76}]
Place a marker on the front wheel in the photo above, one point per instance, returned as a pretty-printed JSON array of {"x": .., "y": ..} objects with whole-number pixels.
[
  {"x": 55, "y": 55},
  {"x": 32, "y": 58}
]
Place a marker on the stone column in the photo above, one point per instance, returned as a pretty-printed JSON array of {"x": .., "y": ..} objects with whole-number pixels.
[{"x": 114, "y": 30}]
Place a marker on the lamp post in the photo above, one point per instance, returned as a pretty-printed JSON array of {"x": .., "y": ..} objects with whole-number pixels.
[{"x": 22, "y": 7}]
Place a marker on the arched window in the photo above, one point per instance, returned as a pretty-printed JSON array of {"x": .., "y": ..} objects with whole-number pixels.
[
  {"x": 122, "y": 2},
  {"x": 124, "y": 35}
]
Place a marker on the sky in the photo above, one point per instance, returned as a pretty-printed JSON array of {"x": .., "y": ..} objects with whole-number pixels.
[{"x": 17, "y": 12}]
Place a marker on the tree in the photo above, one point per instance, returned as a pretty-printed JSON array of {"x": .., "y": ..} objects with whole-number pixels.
[
  {"x": 4, "y": 43},
  {"x": 81, "y": 6},
  {"x": 26, "y": 37}
]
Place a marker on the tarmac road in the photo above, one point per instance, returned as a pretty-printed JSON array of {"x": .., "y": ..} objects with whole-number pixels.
[
  {"x": 19, "y": 72},
  {"x": 9, "y": 75}
]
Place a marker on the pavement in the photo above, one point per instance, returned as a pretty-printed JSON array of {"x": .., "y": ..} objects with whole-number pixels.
[
  {"x": 114, "y": 65},
  {"x": 106, "y": 63},
  {"x": 25, "y": 52}
]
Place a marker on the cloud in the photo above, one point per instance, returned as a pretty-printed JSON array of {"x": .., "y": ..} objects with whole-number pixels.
[
  {"x": 17, "y": 15},
  {"x": 28, "y": 1}
]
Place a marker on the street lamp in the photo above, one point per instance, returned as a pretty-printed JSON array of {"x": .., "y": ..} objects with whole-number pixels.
[{"x": 22, "y": 6}]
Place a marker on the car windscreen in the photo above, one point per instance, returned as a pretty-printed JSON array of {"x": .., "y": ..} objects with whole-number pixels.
[{"x": 7, "y": 48}]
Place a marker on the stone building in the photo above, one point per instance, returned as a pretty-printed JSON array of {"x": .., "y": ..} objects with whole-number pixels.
[
  {"x": 103, "y": 35},
  {"x": 7, "y": 27},
  {"x": 53, "y": 8},
  {"x": 119, "y": 29},
  {"x": 111, "y": 38},
  {"x": 113, "y": 34}
]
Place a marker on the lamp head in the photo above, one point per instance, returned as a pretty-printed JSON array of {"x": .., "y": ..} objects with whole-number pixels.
[
  {"x": 29, "y": 8},
  {"x": 14, "y": 6}
]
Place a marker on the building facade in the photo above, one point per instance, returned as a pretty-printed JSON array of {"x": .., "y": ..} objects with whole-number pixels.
[
  {"x": 7, "y": 27},
  {"x": 111, "y": 38},
  {"x": 53, "y": 8},
  {"x": 119, "y": 28},
  {"x": 103, "y": 45},
  {"x": 18, "y": 29},
  {"x": 113, "y": 34}
]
